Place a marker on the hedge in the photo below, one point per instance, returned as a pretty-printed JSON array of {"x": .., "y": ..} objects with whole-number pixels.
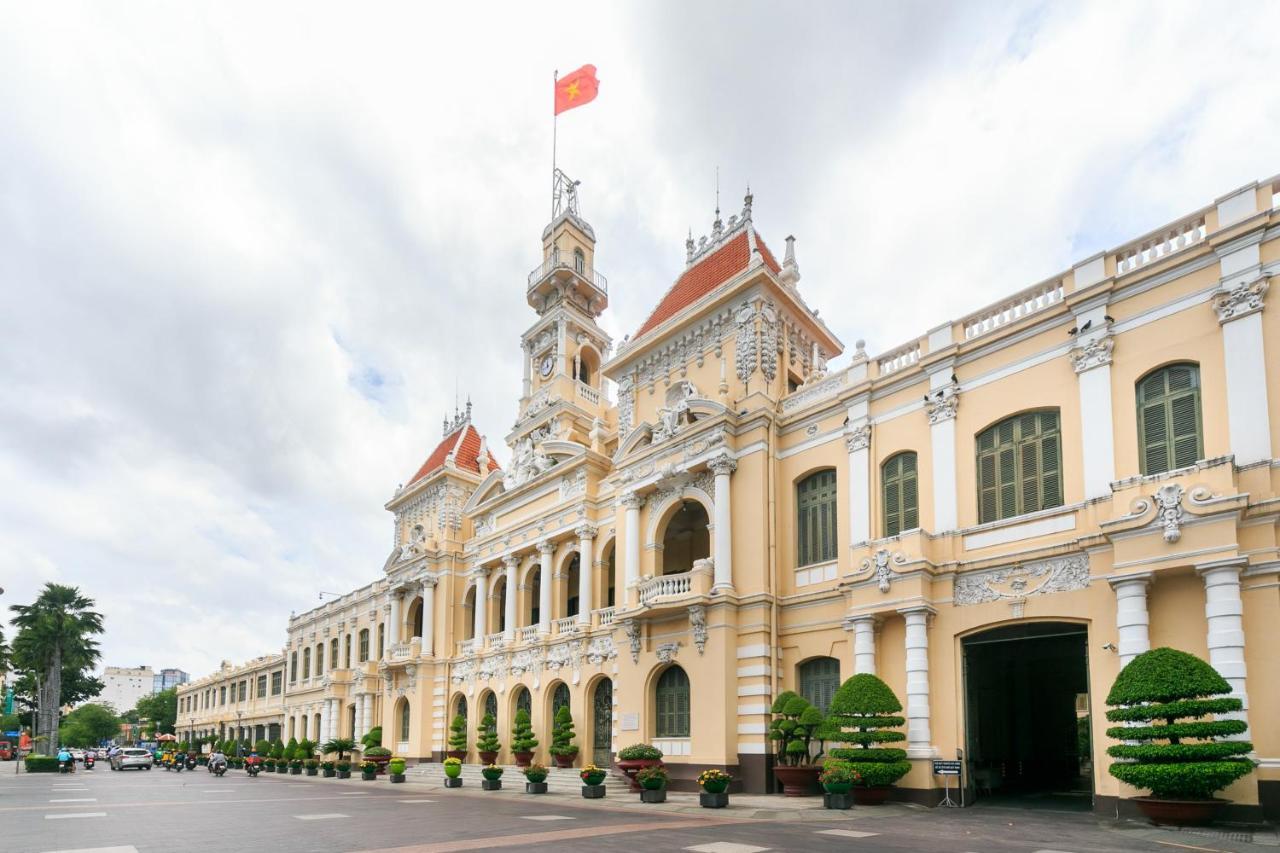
[{"x": 41, "y": 763}]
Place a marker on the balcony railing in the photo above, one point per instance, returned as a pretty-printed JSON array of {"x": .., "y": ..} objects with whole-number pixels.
[
  {"x": 604, "y": 616},
  {"x": 586, "y": 392},
  {"x": 468, "y": 647},
  {"x": 558, "y": 262},
  {"x": 527, "y": 634},
  {"x": 495, "y": 641},
  {"x": 696, "y": 581},
  {"x": 567, "y": 625},
  {"x": 1160, "y": 244},
  {"x": 1026, "y": 303},
  {"x": 892, "y": 362}
]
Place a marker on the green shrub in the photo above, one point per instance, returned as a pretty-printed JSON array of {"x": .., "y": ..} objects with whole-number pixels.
[
  {"x": 327, "y": 765},
  {"x": 312, "y": 764},
  {"x": 340, "y": 745},
  {"x": 458, "y": 733},
  {"x": 373, "y": 738},
  {"x": 1164, "y": 686},
  {"x": 638, "y": 752},
  {"x": 291, "y": 749},
  {"x": 343, "y": 766},
  {"x": 262, "y": 747},
  {"x": 522, "y": 739},
  {"x": 562, "y": 734},
  {"x": 652, "y": 778},
  {"x": 794, "y": 728},
  {"x": 535, "y": 773},
  {"x": 488, "y": 731},
  {"x": 396, "y": 765},
  {"x": 41, "y": 763},
  {"x": 864, "y": 713},
  {"x": 277, "y": 750},
  {"x": 376, "y": 752}
]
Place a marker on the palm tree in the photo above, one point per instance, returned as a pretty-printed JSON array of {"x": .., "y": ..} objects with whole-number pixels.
[
  {"x": 340, "y": 745},
  {"x": 56, "y": 631}
]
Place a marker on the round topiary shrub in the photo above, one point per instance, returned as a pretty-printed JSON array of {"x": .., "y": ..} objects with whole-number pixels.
[
  {"x": 1178, "y": 754},
  {"x": 863, "y": 713}
]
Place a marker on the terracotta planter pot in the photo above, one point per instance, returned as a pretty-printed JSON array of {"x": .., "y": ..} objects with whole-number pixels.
[
  {"x": 523, "y": 759},
  {"x": 487, "y": 758},
  {"x": 460, "y": 754},
  {"x": 799, "y": 781},
  {"x": 1179, "y": 812},
  {"x": 631, "y": 768},
  {"x": 871, "y": 796},
  {"x": 382, "y": 761},
  {"x": 564, "y": 760}
]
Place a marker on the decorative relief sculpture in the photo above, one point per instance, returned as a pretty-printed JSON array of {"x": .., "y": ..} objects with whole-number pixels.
[
  {"x": 527, "y": 460},
  {"x": 1169, "y": 512},
  {"x": 526, "y": 660},
  {"x": 1095, "y": 353},
  {"x": 746, "y": 356},
  {"x": 879, "y": 563},
  {"x": 770, "y": 343},
  {"x": 666, "y": 652},
  {"x": 1012, "y": 583},
  {"x": 941, "y": 404},
  {"x": 698, "y": 626},
  {"x": 463, "y": 671},
  {"x": 631, "y": 628},
  {"x": 626, "y": 405},
  {"x": 575, "y": 486},
  {"x": 857, "y": 438},
  {"x": 601, "y": 649},
  {"x": 1241, "y": 300}
]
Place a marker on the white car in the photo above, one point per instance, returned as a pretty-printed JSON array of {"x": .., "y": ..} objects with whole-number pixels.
[
  {"x": 76, "y": 754},
  {"x": 131, "y": 757}
]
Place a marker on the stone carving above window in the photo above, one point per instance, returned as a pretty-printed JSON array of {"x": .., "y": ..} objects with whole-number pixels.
[
  {"x": 857, "y": 438},
  {"x": 574, "y": 486},
  {"x": 1017, "y": 582},
  {"x": 1240, "y": 301},
  {"x": 879, "y": 564},
  {"x": 667, "y": 652},
  {"x": 941, "y": 405},
  {"x": 601, "y": 649},
  {"x": 1094, "y": 353}
]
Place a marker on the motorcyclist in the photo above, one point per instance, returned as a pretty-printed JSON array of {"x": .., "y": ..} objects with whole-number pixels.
[
  {"x": 217, "y": 761},
  {"x": 65, "y": 762}
]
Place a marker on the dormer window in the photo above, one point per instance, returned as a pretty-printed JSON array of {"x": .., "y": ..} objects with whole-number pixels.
[{"x": 579, "y": 262}]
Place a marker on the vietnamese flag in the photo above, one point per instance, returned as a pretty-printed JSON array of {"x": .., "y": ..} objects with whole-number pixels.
[{"x": 576, "y": 88}]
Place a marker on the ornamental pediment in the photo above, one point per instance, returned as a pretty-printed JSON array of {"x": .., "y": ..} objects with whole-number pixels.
[{"x": 674, "y": 457}]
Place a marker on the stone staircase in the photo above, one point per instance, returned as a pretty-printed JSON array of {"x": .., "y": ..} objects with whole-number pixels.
[{"x": 563, "y": 780}]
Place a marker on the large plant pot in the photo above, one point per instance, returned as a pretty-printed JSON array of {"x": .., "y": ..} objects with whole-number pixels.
[
  {"x": 397, "y": 777},
  {"x": 487, "y": 758},
  {"x": 799, "y": 781},
  {"x": 382, "y": 761},
  {"x": 1179, "y": 812},
  {"x": 329, "y": 774},
  {"x": 491, "y": 784},
  {"x": 593, "y": 792},
  {"x": 344, "y": 774},
  {"x": 631, "y": 768},
  {"x": 460, "y": 754},
  {"x": 535, "y": 787},
  {"x": 564, "y": 760},
  {"x": 837, "y": 801},
  {"x": 874, "y": 796},
  {"x": 523, "y": 759},
  {"x": 312, "y": 771},
  {"x": 658, "y": 796},
  {"x": 709, "y": 800},
  {"x": 295, "y": 771},
  {"x": 452, "y": 782}
]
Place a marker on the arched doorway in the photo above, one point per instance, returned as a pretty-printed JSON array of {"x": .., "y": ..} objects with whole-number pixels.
[
  {"x": 559, "y": 699},
  {"x": 686, "y": 538},
  {"x": 415, "y": 618},
  {"x": 500, "y": 593},
  {"x": 608, "y": 567},
  {"x": 403, "y": 715},
  {"x": 602, "y": 723},
  {"x": 1027, "y": 725},
  {"x": 571, "y": 586},
  {"x": 469, "y": 614},
  {"x": 533, "y": 592}
]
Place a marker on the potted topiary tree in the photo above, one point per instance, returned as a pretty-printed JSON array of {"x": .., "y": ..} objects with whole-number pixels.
[
  {"x": 277, "y": 752},
  {"x": 592, "y": 782},
  {"x": 372, "y": 738},
  {"x": 639, "y": 756},
  {"x": 452, "y": 772},
  {"x": 487, "y": 744},
  {"x": 396, "y": 768},
  {"x": 523, "y": 743},
  {"x": 1179, "y": 756},
  {"x": 793, "y": 730},
  {"x": 863, "y": 713},
  {"x": 458, "y": 738},
  {"x": 563, "y": 749},
  {"x": 492, "y": 780},
  {"x": 535, "y": 779}
]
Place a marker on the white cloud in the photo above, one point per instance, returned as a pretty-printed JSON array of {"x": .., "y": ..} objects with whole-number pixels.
[{"x": 247, "y": 250}]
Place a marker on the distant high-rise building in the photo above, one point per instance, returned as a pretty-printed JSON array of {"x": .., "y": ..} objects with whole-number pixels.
[
  {"x": 166, "y": 678},
  {"x": 123, "y": 686}
]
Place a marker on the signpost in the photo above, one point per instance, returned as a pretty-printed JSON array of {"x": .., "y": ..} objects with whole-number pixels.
[{"x": 947, "y": 769}]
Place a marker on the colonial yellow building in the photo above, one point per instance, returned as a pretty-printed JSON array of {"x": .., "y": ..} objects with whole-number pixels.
[
  {"x": 243, "y": 703},
  {"x": 993, "y": 517}
]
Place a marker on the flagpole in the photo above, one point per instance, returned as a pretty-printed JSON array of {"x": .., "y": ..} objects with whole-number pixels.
[{"x": 555, "y": 80}]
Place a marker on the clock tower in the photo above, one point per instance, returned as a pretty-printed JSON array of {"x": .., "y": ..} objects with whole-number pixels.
[{"x": 563, "y": 393}]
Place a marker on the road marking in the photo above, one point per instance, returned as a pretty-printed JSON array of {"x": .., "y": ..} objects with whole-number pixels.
[
  {"x": 547, "y": 817},
  {"x": 74, "y": 814},
  {"x": 847, "y": 833},
  {"x": 354, "y": 793},
  {"x": 331, "y": 816},
  {"x": 415, "y": 801},
  {"x": 726, "y": 847},
  {"x": 76, "y": 800},
  {"x": 217, "y": 790},
  {"x": 99, "y": 850}
]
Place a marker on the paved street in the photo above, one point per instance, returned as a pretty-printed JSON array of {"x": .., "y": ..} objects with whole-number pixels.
[{"x": 157, "y": 811}]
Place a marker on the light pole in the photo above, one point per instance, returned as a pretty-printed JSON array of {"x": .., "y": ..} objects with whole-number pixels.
[{"x": 239, "y": 733}]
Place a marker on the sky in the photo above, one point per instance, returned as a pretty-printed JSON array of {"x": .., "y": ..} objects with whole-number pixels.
[{"x": 251, "y": 253}]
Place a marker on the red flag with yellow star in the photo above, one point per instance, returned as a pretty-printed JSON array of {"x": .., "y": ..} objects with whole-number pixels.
[{"x": 576, "y": 88}]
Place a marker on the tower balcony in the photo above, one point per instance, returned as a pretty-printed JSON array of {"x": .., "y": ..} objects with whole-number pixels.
[{"x": 568, "y": 273}]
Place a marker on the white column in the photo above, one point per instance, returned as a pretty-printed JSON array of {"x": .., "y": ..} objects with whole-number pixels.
[
  {"x": 1132, "y": 620},
  {"x": 480, "y": 626},
  {"x": 368, "y": 714},
  {"x": 509, "y": 606},
  {"x": 944, "y": 399},
  {"x": 863, "y": 629},
  {"x": 528, "y": 369},
  {"x": 545, "y": 550},
  {"x": 631, "y": 559},
  {"x": 1091, "y": 359},
  {"x": 586, "y": 536},
  {"x": 919, "y": 739},
  {"x": 359, "y": 729},
  {"x": 723, "y": 467},
  {"x": 1224, "y": 612},
  {"x": 393, "y": 630},
  {"x": 857, "y": 441},
  {"x": 1239, "y": 309},
  {"x": 429, "y": 615}
]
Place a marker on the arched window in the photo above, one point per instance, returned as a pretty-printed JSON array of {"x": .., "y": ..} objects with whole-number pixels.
[
  {"x": 469, "y": 614},
  {"x": 560, "y": 698},
  {"x": 819, "y": 679},
  {"x": 571, "y": 603},
  {"x": 901, "y": 497},
  {"x": 579, "y": 261},
  {"x": 524, "y": 701},
  {"x": 1169, "y": 432},
  {"x": 346, "y": 652},
  {"x": 460, "y": 707},
  {"x": 404, "y": 719},
  {"x": 671, "y": 702},
  {"x": 686, "y": 539},
  {"x": 491, "y": 705},
  {"x": 816, "y": 518},
  {"x": 535, "y": 595},
  {"x": 293, "y": 667},
  {"x": 417, "y": 618},
  {"x": 610, "y": 566},
  {"x": 382, "y": 639},
  {"x": 502, "y": 603},
  {"x": 1019, "y": 466},
  {"x": 364, "y": 644}
]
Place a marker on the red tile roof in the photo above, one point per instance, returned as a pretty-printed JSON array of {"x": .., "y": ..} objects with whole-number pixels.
[
  {"x": 467, "y": 442},
  {"x": 705, "y": 276}
]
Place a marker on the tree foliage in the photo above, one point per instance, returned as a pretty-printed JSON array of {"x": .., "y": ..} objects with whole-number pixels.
[
  {"x": 562, "y": 733},
  {"x": 1167, "y": 688},
  {"x": 794, "y": 728},
  {"x": 458, "y": 733},
  {"x": 340, "y": 745},
  {"x": 863, "y": 713},
  {"x": 488, "y": 735},
  {"x": 161, "y": 709},
  {"x": 90, "y": 725},
  {"x": 522, "y": 738}
]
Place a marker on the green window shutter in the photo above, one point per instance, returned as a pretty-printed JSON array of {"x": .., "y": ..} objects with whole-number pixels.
[
  {"x": 816, "y": 518},
  {"x": 1051, "y": 470},
  {"x": 1169, "y": 419},
  {"x": 898, "y": 476},
  {"x": 1019, "y": 466},
  {"x": 987, "y": 507},
  {"x": 1007, "y": 487},
  {"x": 892, "y": 506},
  {"x": 672, "y": 703},
  {"x": 819, "y": 679},
  {"x": 910, "y": 493}
]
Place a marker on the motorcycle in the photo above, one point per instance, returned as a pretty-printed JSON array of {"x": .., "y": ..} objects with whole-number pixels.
[
  {"x": 68, "y": 766},
  {"x": 219, "y": 770},
  {"x": 191, "y": 764},
  {"x": 252, "y": 770},
  {"x": 88, "y": 762}
]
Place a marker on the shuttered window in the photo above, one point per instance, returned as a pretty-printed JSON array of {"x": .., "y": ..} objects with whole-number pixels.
[
  {"x": 816, "y": 518},
  {"x": 1019, "y": 466},
  {"x": 673, "y": 703},
  {"x": 819, "y": 679},
  {"x": 1169, "y": 434},
  {"x": 901, "y": 497}
]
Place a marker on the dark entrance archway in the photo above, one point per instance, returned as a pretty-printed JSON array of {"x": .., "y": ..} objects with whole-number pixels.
[
  {"x": 602, "y": 723},
  {"x": 1027, "y": 726}
]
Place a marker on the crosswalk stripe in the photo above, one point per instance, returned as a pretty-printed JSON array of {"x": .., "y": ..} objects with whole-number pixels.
[
  {"x": 66, "y": 815},
  {"x": 76, "y": 800}
]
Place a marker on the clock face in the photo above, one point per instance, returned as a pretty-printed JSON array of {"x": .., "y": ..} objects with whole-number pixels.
[{"x": 547, "y": 363}]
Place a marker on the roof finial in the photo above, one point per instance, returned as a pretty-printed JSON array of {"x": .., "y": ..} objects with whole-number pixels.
[
  {"x": 717, "y": 227},
  {"x": 688, "y": 248},
  {"x": 746, "y": 204}
]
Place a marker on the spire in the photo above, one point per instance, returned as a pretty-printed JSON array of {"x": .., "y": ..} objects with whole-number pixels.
[
  {"x": 790, "y": 274},
  {"x": 688, "y": 248}
]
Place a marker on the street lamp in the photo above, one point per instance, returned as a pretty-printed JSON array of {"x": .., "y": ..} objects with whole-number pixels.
[{"x": 239, "y": 733}]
